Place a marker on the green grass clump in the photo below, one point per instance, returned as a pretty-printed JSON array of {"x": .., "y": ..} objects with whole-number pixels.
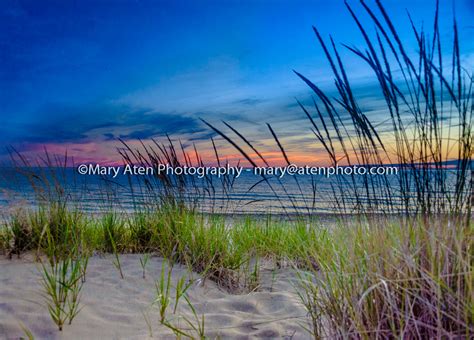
[
  {"x": 17, "y": 236},
  {"x": 163, "y": 301},
  {"x": 4, "y": 240},
  {"x": 50, "y": 230},
  {"x": 113, "y": 232},
  {"x": 280, "y": 241},
  {"x": 393, "y": 280},
  {"x": 141, "y": 230},
  {"x": 143, "y": 263},
  {"x": 62, "y": 283},
  {"x": 58, "y": 234},
  {"x": 163, "y": 292},
  {"x": 208, "y": 249}
]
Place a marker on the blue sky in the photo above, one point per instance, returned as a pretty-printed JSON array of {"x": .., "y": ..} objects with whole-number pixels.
[{"x": 76, "y": 75}]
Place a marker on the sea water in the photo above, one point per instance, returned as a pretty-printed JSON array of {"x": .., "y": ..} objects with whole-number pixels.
[{"x": 227, "y": 195}]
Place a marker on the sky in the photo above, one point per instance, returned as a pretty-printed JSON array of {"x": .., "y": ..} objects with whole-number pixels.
[{"x": 76, "y": 76}]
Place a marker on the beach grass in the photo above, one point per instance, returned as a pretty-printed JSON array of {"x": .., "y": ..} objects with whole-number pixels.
[
  {"x": 393, "y": 280},
  {"x": 366, "y": 278}
]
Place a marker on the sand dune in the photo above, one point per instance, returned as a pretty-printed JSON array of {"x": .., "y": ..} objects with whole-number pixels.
[{"x": 115, "y": 308}]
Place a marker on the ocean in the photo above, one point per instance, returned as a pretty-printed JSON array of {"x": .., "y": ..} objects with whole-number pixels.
[{"x": 247, "y": 194}]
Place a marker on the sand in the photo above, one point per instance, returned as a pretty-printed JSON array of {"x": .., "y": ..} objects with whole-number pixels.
[{"x": 115, "y": 308}]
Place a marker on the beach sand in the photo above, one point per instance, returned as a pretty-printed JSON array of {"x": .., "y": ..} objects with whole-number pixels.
[{"x": 115, "y": 308}]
